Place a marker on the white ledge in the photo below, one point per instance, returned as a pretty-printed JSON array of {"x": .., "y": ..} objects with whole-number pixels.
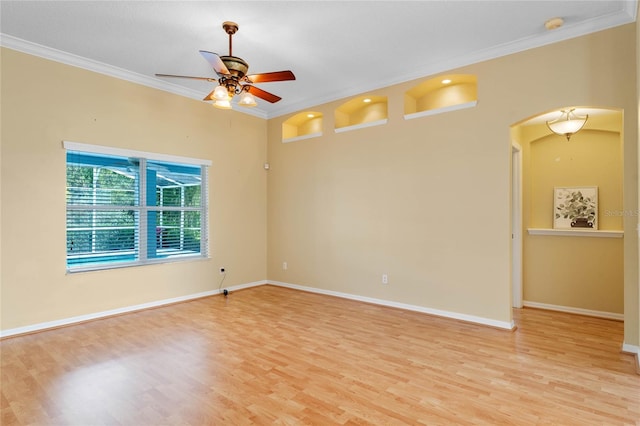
[
  {"x": 440, "y": 110},
  {"x": 299, "y": 138},
  {"x": 576, "y": 233},
  {"x": 361, "y": 126}
]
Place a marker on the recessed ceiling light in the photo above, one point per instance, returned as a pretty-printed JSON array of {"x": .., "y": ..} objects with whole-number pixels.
[
  {"x": 554, "y": 23},
  {"x": 310, "y": 115},
  {"x": 446, "y": 81},
  {"x": 366, "y": 100}
]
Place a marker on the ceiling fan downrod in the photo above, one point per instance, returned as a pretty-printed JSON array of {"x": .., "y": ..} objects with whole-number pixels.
[{"x": 230, "y": 28}]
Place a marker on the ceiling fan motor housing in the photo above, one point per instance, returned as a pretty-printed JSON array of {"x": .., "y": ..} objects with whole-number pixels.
[{"x": 236, "y": 66}]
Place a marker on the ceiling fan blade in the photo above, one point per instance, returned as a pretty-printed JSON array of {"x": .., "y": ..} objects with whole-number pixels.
[
  {"x": 269, "y": 97},
  {"x": 215, "y": 62},
  {"x": 187, "y": 76},
  {"x": 271, "y": 76},
  {"x": 209, "y": 97}
]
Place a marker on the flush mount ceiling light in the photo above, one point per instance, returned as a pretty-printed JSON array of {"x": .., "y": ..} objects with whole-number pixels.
[
  {"x": 568, "y": 124},
  {"x": 233, "y": 79}
]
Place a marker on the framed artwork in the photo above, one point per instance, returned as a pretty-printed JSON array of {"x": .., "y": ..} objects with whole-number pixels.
[{"x": 575, "y": 207}]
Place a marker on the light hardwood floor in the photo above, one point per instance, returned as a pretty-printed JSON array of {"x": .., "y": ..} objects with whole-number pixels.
[{"x": 271, "y": 355}]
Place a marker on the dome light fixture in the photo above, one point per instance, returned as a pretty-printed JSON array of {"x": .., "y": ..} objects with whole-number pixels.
[{"x": 568, "y": 124}]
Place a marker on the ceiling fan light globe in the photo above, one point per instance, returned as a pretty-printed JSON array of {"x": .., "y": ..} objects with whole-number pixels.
[
  {"x": 247, "y": 100},
  {"x": 222, "y": 104},
  {"x": 221, "y": 93}
]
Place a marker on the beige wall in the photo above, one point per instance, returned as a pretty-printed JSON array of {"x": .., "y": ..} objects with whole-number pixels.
[
  {"x": 427, "y": 201},
  {"x": 44, "y": 103}
]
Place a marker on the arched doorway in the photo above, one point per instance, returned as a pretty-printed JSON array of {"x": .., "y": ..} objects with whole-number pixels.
[{"x": 572, "y": 270}]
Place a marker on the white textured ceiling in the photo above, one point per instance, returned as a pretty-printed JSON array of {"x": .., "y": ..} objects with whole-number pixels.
[{"x": 335, "y": 48}]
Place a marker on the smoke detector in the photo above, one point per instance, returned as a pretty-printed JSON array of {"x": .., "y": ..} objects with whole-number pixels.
[{"x": 554, "y": 23}]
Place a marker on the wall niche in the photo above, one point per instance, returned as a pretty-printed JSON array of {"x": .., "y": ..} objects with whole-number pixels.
[
  {"x": 441, "y": 94},
  {"x": 304, "y": 125},
  {"x": 360, "y": 112}
]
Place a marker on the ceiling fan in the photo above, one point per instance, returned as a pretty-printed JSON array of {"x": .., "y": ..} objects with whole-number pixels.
[{"x": 233, "y": 79}]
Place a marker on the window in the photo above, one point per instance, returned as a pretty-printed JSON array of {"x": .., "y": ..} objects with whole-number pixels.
[{"x": 129, "y": 208}]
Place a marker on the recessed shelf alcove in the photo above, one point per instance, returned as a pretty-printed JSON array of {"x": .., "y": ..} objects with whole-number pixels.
[
  {"x": 442, "y": 94},
  {"x": 360, "y": 112},
  {"x": 304, "y": 125}
]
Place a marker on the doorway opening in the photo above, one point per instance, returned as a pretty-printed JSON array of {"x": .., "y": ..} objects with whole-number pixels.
[{"x": 555, "y": 266}]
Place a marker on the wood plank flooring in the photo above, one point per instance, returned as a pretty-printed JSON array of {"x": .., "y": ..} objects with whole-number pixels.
[{"x": 270, "y": 355}]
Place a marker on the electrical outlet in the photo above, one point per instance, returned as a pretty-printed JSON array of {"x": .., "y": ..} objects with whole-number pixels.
[
  {"x": 284, "y": 266},
  {"x": 222, "y": 271},
  {"x": 385, "y": 279}
]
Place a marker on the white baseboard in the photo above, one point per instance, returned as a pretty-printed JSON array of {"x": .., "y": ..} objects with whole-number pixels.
[
  {"x": 247, "y": 285},
  {"x": 105, "y": 314},
  {"x": 633, "y": 350},
  {"x": 630, "y": 349},
  {"x": 571, "y": 310},
  {"x": 447, "y": 314}
]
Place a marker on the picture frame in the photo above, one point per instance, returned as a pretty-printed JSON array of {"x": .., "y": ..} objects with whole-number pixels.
[{"x": 575, "y": 207}]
